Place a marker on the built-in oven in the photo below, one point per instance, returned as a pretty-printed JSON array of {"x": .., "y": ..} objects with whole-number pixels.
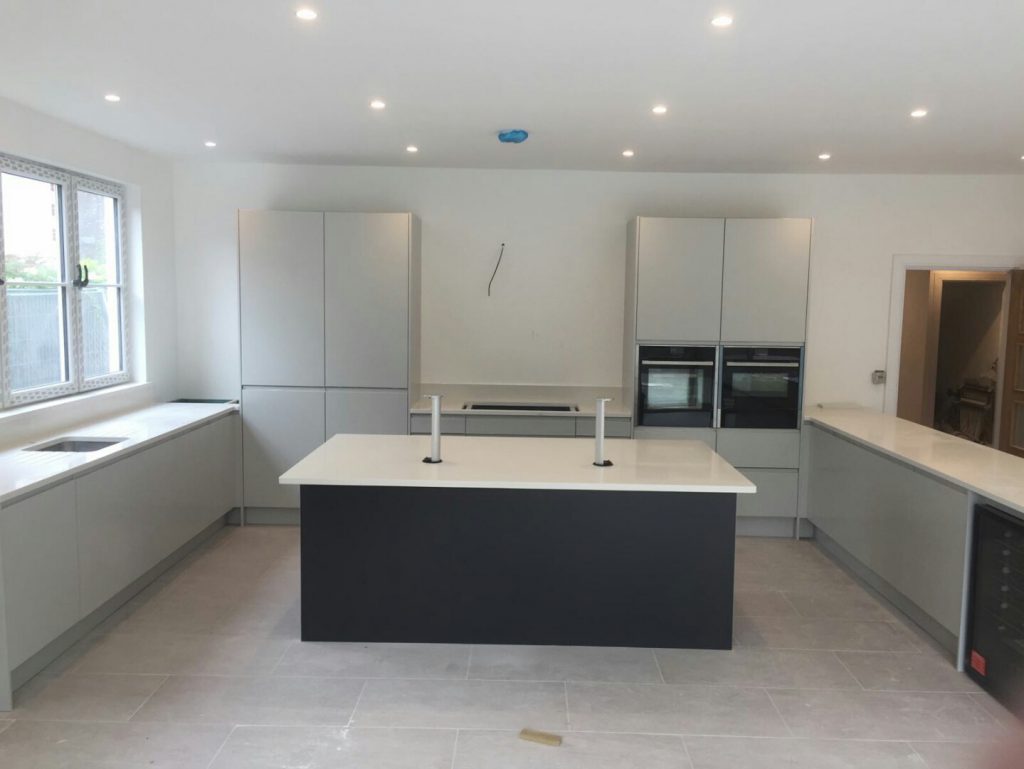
[
  {"x": 761, "y": 387},
  {"x": 676, "y": 386}
]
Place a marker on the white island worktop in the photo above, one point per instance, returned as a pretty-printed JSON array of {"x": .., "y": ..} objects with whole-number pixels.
[
  {"x": 518, "y": 463},
  {"x": 992, "y": 474}
]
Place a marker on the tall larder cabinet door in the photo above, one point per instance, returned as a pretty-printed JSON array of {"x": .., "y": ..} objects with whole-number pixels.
[
  {"x": 280, "y": 426},
  {"x": 367, "y": 294},
  {"x": 281, "y": 276},
  {"x": 679, "y": 279},
  {"x": 764, "y": 288}
]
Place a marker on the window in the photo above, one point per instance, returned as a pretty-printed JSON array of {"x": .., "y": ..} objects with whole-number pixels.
[{"x": 62, "y": 304}]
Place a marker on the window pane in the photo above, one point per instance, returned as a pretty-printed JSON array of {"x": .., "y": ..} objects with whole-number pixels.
[
  {"x": 36, "y": 328},
  {"x": 32, "y": 230},
  {"x": 97, "y": 236},
  {"x": 101, "y": 331}
]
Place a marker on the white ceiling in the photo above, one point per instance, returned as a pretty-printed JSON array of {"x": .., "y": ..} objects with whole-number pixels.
[{"x": 790, "y": 79}]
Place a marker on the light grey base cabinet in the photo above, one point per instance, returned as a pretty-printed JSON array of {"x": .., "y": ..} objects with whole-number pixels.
[
  {"x": 771, "y": 459},
  {"x": 707, "y": 435},
  {"x": 521, "y": 426},
  {"x": 906, "y": 527},
  {"x": 39, "y": 537},
  {"x": 280, "y": 425},
  {"x": 69, "y": 548},
  {"x": 380, "y": 412}
]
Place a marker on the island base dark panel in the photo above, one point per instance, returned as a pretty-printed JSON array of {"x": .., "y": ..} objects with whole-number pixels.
[{"x": 505, "y": 566}]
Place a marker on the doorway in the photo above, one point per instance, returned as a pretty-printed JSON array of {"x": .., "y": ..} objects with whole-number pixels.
[{"x": 954, "y": 335}]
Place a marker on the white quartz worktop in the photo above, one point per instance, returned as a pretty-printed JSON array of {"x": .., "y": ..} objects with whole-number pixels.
[
  {"x": 23, "y": 472},
  {"x": 993, "y": 474},
  {"x": 518, "y": 463},
  {"x": 456, "y": 396}
]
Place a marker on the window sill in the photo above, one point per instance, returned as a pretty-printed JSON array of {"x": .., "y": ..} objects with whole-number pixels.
[{"x": 22, "y": 424}]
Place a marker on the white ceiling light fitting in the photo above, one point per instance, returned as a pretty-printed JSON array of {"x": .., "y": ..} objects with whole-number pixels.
[
  {"x": 722, "y": 21},
  {"x": 412, "y": 149},
  {"x": 378, "y": 104},
  {"x": 825, "y": 156},
  {"x": 113, "y": 98},
  {"x": 306, "y": 14},
  {"x": 628, "y": 153},
  {"x": 659, "y": 109},
  {"x": 919, "y": 113},
  {"x": 210, "y": 144}
]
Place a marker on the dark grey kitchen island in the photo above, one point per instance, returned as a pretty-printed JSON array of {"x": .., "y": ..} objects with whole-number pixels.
[{"x": 517, "y": 541}]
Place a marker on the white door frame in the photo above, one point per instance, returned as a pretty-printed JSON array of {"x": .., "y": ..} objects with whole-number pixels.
[{"x": 900, "y": 264}]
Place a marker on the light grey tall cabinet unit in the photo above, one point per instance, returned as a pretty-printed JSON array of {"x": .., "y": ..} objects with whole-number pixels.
[
  {"x": 329, "y": 337},
  {"x": 281, "y": 257},
  {"x": 764, "y": 283},
  {"x": 721, "y": 282},
  {"x": 679, "y": 279}
]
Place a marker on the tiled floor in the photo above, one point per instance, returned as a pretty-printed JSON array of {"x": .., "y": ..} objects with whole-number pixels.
[{"x": 204, "y": 671}]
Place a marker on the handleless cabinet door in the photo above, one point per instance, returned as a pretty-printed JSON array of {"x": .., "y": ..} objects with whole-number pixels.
[
  {"x": 764, "y": 288},
  {"x": 378, "y": 412},
  {"x": 281, "y": 275},
  {"x": 39, "y": 541},
  {"x": 279, "y": 427},
  {"x": 679, "y": 279},
  {"x": 367, "y": 294}
]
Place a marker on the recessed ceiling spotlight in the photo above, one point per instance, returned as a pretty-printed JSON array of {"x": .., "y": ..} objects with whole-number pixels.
[
  {"x": 628, "y": 153},
  {"x": 378, "y": 104},
  {"x": 721, "y": 21},
  {"x": 659, "y": 109},
  {"x": 824, "y": 156},
  {"x": 210, "y": 145},
  {"x": 920, "y": 112},
  {"x": 306, "y": 14},
  {"x": 113, "y": 98},
  {"x": 412, "y": 148}
]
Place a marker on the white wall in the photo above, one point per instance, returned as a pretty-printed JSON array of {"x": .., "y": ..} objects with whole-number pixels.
[
  {"x": 556, "y": 313},
  {"x": 33, "y": 135}
]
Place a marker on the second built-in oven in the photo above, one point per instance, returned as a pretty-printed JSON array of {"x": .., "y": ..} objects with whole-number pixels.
[
  {"x": 761, "y": 387},
  {"x": 676, "y": 386}
]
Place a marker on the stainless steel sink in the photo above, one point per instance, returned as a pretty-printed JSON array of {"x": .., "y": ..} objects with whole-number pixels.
[{"x": 77, "y": 445}]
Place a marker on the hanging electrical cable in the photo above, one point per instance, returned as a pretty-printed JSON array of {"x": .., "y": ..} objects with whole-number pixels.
[{"x": 500, "y": 254}]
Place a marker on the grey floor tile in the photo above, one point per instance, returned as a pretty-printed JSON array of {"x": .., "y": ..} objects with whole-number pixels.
[
  {"x": 467, "y": 704},
  {"x": 263, "y": 700},
  {"x": 670, "y": 709},
  {"x": 853, "y": 603},
  {"x": 746, "y": 753},
  {"x": 755, "y": 667},
  {"x": 795, "y": 577},
  {"x": 884, "y": 715},
  {"x": 504, "y": 750},
  {"x": 901, "y": 671},
  {"x": 172, "y": 653},
  {"x": 269, "y": 747},
  {"x": 377, "y": 660},
  {"x": 67, "y": 745},
  {"x": 204, "y": 611},
  {"x": 963, "y": 755},
  {"x": 4, "y": 724},
  {"x": 762, "y": 603},
  {"x": 997, "y": 711},
  {"x": 564, "y": 663},
  {"x": 822, "y": 634},
  {"x": 83, "y": 698}
]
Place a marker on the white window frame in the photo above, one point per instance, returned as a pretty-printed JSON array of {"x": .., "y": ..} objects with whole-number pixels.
[{"x": 69, "y": 184}]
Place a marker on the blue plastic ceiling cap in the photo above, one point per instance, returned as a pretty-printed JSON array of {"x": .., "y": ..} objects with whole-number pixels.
[{"x": 515, "y": 136}]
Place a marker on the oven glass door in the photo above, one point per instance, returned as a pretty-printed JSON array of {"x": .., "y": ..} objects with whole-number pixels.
[
  {"x": 677, "y": 387},
  {"x": 761, "y": 388}
]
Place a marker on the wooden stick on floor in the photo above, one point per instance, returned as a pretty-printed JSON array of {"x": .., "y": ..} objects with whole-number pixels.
[{"x": 544, "y": 738}]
